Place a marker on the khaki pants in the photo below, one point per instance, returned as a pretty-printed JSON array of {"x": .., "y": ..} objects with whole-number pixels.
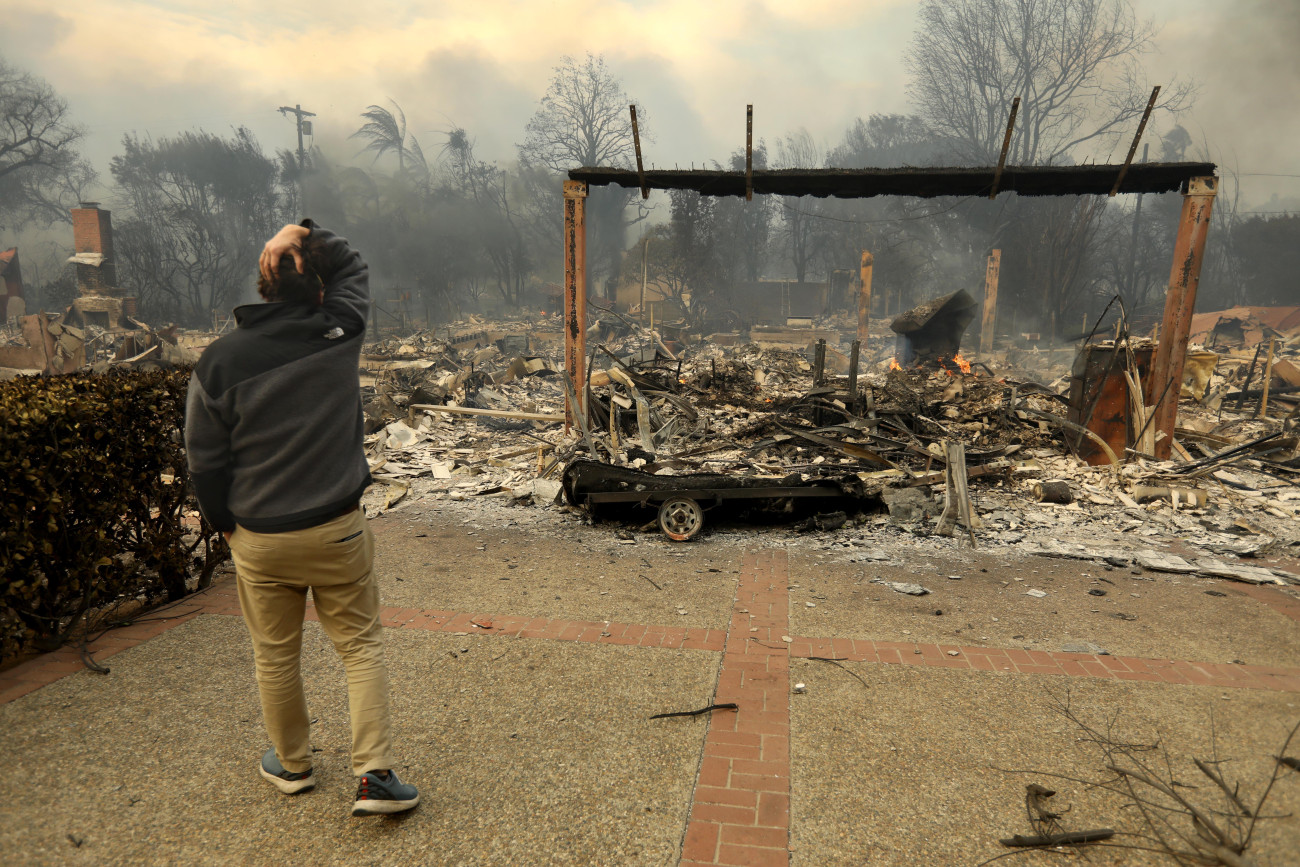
[{"x": 274, "y": 572}]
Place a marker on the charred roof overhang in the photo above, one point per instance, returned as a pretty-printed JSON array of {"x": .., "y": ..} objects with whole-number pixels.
[{"x": 918, "y": 182}]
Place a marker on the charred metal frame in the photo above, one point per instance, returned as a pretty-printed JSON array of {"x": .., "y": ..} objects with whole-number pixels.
[
  {"x": 1128, "y": 160},
  {"x": 1006, "y": 145},
  {"x": 636, "y": 140},
  {"x": 709, "y": 497},
  {"x": 1196, "y": 181}
]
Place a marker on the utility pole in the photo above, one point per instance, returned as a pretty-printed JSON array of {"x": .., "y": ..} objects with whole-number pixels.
[{"x": 299, "y": 114}]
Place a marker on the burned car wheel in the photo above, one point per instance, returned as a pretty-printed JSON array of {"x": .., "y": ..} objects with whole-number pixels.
[{"x": 680, "y": 518}]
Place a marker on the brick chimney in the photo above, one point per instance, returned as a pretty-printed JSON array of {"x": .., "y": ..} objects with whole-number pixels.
[
  {"x": 11, "y": 282},
  {"x": 92, "y": 240}
]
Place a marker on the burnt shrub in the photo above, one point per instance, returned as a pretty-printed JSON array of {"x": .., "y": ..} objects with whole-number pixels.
[{"x": 93, "y": 500}]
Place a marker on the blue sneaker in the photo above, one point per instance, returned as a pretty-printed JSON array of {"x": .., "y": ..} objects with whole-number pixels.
[
  {"x": 380, "y": 796},
  {"x": 286, "y": 781}
]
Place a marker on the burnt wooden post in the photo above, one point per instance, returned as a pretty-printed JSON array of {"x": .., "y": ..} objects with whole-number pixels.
[
  {"x": 989, "y": 322},
  {"x": 854, "y": 353},
  {"x": 819, "y": 374},
  {"x": 749, "y": 153},
  {"x": 1180, "y": 303},
  {"x": 864, "y": 297},
  {"x": 575, "y": 292}
]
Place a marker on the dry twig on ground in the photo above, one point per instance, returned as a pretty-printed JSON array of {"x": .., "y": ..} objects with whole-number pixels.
[{"x": 1190, "y": 824}]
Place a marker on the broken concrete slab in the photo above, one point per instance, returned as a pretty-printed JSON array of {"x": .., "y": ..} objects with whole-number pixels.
[
  {"x": 1064, "y": 551},
  {"x": 1159, "y": 562},
  {"x": 540, "y": 492},
  {"x": 1084, "y": 647},
  {"x": 908, "y": 505},
  {"x": 1233, "y": 572}
]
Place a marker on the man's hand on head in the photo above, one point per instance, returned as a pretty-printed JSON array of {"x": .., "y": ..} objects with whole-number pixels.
[{"x": 287, "y": 240}]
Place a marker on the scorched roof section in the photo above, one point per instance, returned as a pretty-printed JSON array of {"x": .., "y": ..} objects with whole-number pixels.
[{"x": 917, "y": 182}]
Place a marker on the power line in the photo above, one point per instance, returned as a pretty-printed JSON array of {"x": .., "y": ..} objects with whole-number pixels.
[
  {"x": 954, "y": 206},
  {"x": 170, "y": 122}
]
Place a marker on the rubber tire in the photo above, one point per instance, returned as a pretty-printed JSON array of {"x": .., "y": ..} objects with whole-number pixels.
[{"x": 681, "y": 518}]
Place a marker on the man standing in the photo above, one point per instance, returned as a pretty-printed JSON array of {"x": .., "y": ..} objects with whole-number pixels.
[{"x": 273, "y": 435}]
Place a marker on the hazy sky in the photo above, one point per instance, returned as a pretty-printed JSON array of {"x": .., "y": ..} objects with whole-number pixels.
[{"x": 161, "y": 66}]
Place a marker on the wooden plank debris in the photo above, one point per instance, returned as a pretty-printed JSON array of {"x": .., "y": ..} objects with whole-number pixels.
[
  {"x": 1268, "y": 380},
  {"x": 957, "y": 508},
  {"x": 989, "y": 323},
  {"x": 493, "y": 413}
]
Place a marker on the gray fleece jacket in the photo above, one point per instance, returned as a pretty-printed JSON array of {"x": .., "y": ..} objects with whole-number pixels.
[{"x": 273, "y": 419}]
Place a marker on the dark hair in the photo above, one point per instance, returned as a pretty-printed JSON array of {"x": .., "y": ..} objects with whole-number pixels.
[{"x": 288, "y": 285}]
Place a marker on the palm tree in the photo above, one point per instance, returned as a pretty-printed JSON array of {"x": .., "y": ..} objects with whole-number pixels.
[{"x": 385, "y": 131}]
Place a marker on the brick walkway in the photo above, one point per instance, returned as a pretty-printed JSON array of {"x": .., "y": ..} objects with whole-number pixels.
[{"x": 740, "y": 814}]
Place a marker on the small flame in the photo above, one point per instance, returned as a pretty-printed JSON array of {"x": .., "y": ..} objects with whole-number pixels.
[
  {"x": 894, "y": 365},
  {"x": 943, "y": 366},
  {"x": 962, "y": 363}
]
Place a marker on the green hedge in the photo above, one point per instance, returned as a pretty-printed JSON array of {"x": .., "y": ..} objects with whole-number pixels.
[{"x": 93, "y": 495}]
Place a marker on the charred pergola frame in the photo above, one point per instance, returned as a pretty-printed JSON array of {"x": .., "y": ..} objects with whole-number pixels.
[{"x": 1196, "y": 181}]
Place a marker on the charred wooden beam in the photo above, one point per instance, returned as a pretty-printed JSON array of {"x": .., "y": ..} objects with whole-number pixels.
[
  {"x": 1180, "y": 302},
  {"x": 864, "y": 296},
  {"x": 855, "y": 353},
  {"x": 919, "y": 182},
  {"x": 575, "y": 291}
]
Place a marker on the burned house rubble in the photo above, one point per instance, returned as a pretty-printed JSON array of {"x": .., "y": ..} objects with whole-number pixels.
[
  {"x": 48, "y": 344},
  {"x": 807, "y": 432},
  {"x": 698, "y": 436},
  {"x": 868, "y": 432},
  {"x": 99, "y": 328}
]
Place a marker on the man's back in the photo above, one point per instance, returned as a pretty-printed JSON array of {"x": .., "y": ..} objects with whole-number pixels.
[{"x": 274, "y": 421}]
